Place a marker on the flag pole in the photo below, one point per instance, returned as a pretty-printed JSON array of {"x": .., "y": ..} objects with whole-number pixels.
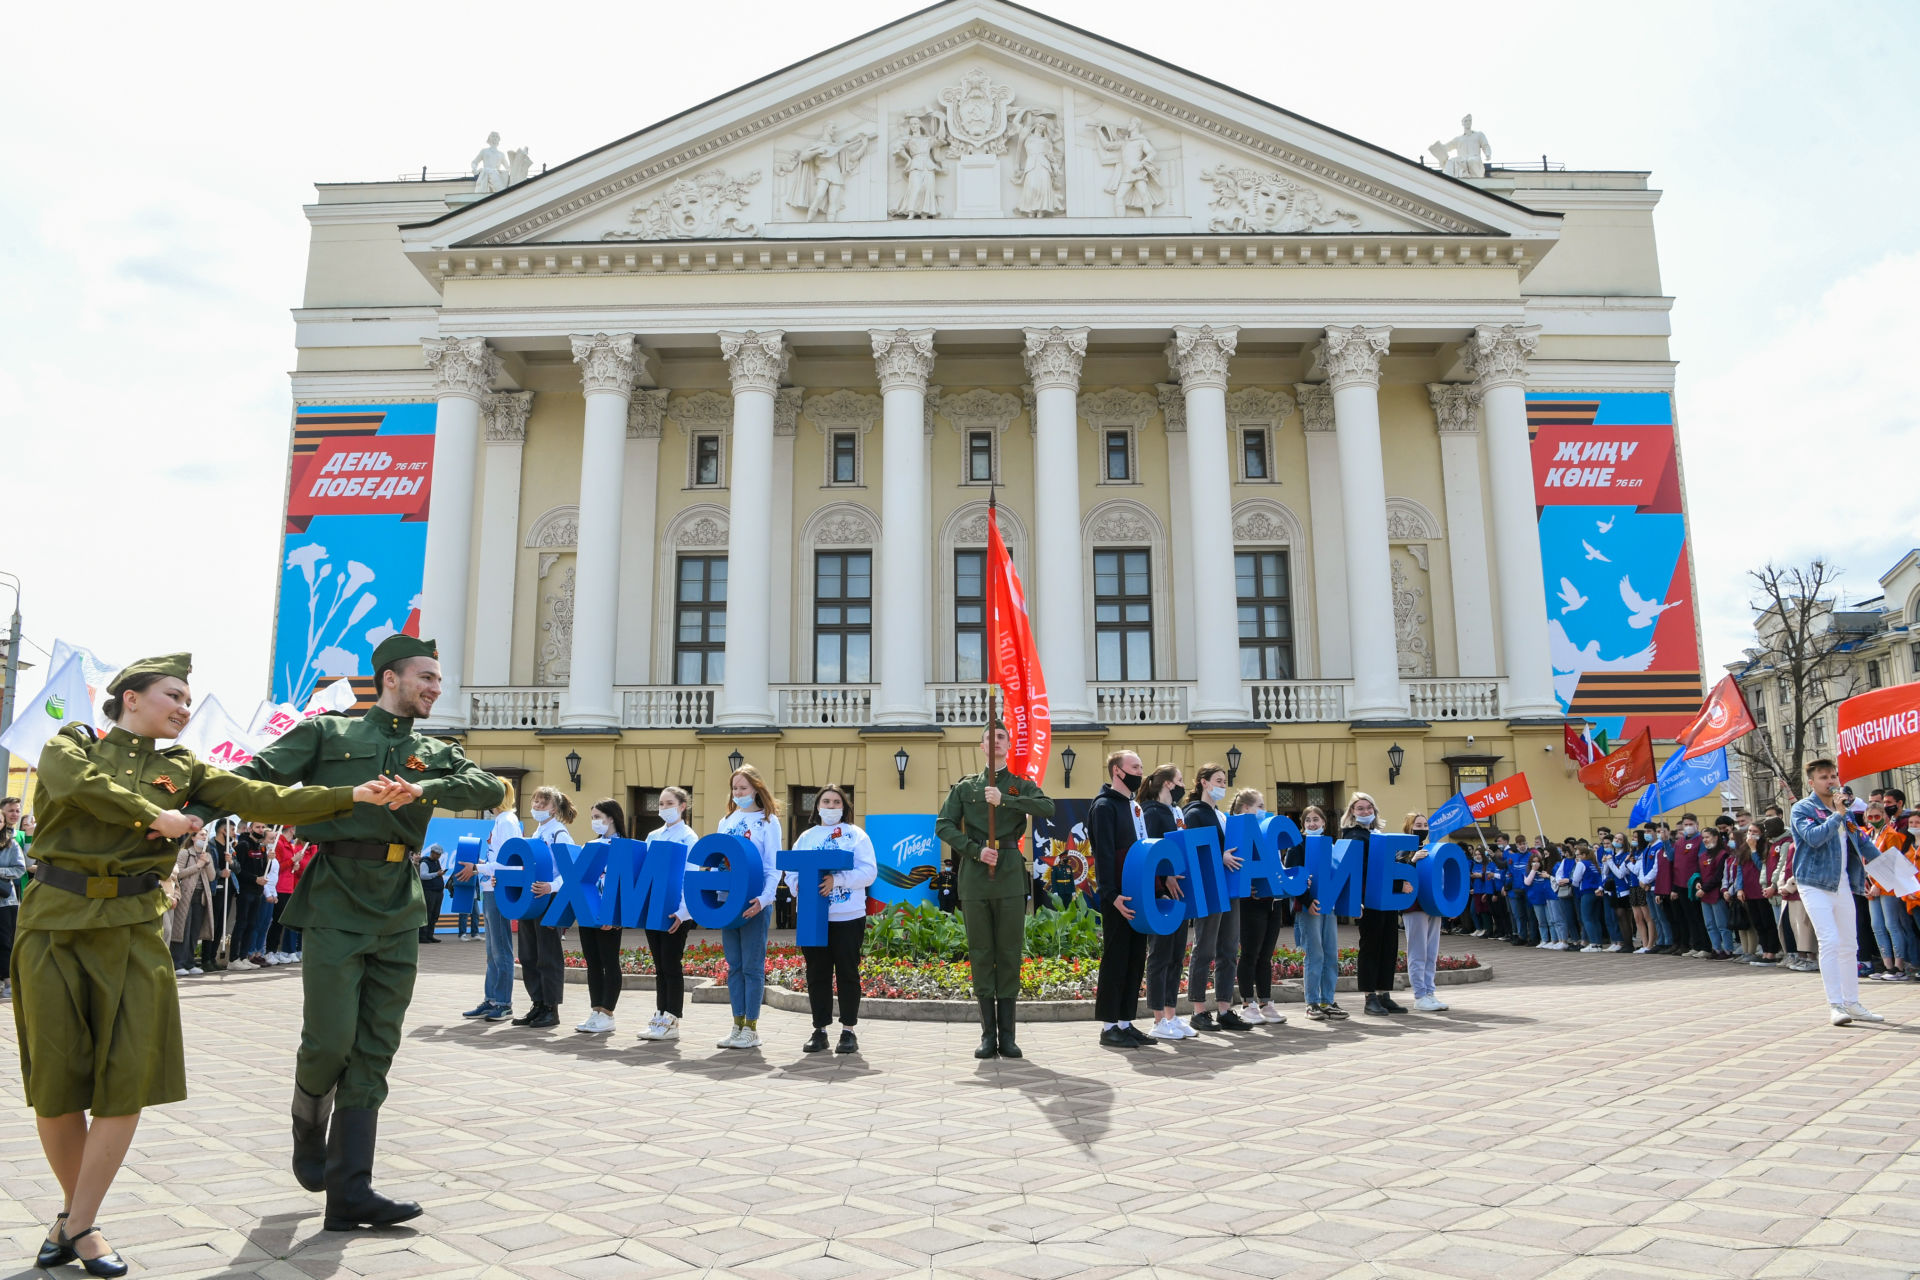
[{"x": 986, "y": 669}]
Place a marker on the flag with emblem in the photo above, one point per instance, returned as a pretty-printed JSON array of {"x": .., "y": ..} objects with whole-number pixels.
[
  {"x": 1621, "y": 772},
  {"x": 62, "y": 701},
  {"x": 1723, "y": 719}
]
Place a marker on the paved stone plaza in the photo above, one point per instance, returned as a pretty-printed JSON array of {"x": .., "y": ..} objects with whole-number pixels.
[{"x": 1605, "y": 1116}]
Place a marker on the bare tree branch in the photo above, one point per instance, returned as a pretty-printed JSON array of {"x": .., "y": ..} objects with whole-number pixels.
[{"x": 1802, "y": 650}]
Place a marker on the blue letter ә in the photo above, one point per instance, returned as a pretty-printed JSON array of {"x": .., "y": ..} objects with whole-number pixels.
[
  {"x": 1443, "y": 876},
  {"x": 717, "y": 896},
  {"x": 1389, "y": 881},
  {"x": 810, "y": 909},
  {"x": 1146, "y": 861}
]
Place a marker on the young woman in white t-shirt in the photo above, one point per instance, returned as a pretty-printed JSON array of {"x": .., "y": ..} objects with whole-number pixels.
[
  {"x": 755, "y": 817},
  {"x": 846, "y": 895},
  {"x": 670, "y": 944},
  {"x": 542, "y": 962}
]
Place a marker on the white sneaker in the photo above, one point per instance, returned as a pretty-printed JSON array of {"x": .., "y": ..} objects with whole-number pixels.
[
  {"x": 1860, "y": 1012},
  {"x": 1639, "y": 951},
  {"x": 748, "y": 1039},
  {"x": 1186, "y": 1028},
  {"x": 195, "y": 972},
  {"x": 1251, "y": 1013},
  {"x": 1592, "y": 949},
  {"x": 596, "y": 1023},
  {"x": 1168, "y": 1030},
  {"x": 1271, "y": 1012},
  {"x": 179, "y": 973},
  {"x": 1616, "y": 947},
  {"x": 663, "y": 1027},
  {"x": 731, "y": 1040},
  {"x": 1838, "y": 1015},
  {"x": 1429, "y": 1004}
]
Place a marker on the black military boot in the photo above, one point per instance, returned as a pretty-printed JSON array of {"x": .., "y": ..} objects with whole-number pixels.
[
  {"x": 1008, "y": 1049},
  {"x": 352, "y": 1202},
  {"x": 989, "y": 1030},
  {"x": 310, "y": 1114}
]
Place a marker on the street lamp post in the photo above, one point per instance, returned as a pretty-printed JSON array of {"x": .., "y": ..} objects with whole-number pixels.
[{"x": 13, "y": 678}]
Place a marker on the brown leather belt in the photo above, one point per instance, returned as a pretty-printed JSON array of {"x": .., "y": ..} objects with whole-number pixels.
[
  {"x": 87, "y": 886},
  {"x": 361, "y": 851}
]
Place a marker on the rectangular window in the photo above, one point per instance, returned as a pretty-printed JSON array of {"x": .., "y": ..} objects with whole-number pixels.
[
  {"x": 700, "y": 621},
  {"x": 706, "y": 460},
  {"x": 846, "y": 458},
  {"x": 979, "y": 457},
  {"x": 1253, "y": 453},
  {"x": 1118, "y": 464},
  {"x": 1873, "y": 673},
  {"x": 1122, "y": 615},
  {"x": 843, "y": 617},
  {"x": 969, "y": 615},
  {"x": 1266, "y": 615}
]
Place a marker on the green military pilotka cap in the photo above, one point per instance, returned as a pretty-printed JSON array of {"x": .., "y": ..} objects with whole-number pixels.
[
  {"x": 398, "y": 648},
  {"x": 178, "y": 665}
]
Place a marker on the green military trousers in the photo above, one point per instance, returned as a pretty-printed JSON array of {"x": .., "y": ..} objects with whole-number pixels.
[
  {"x": 358, "y": 986},
  {"x": 996, "y": 935}
]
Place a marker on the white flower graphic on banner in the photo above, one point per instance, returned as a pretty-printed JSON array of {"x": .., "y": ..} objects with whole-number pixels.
[{"x": 328, "y": 594}]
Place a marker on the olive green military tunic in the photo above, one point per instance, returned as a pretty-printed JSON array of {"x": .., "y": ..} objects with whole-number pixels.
[
  {"x": 360, "y": 921},
  {"x": 94, "y": 1000},
  {"x": 993, "y": 900}
]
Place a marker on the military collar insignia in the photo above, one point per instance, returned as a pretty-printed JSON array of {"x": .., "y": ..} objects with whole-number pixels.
[{"x": 384, "y": 720}]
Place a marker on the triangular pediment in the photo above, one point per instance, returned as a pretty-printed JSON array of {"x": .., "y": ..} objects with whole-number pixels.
[{"x": 978, "y": 117}]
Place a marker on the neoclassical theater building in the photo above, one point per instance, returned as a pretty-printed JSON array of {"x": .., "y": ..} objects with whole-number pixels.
[{"x": 711, "y": 416}]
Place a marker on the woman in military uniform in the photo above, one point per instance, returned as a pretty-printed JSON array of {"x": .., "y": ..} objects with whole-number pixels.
[{"x": 95, "y": 1005}]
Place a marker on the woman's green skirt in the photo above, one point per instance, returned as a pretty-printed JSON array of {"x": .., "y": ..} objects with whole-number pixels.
[{"x": 98, "y": 1016}]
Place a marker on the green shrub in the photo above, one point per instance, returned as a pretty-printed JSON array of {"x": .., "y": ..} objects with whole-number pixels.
[{"x": 922, "y": 931}]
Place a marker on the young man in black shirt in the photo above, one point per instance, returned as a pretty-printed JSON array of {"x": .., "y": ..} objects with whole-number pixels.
[{"x": 1114, "y": 823}]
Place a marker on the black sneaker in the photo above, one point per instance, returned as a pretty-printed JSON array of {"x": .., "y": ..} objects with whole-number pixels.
[
  {"x": 1202, "y": 1022},
  {"x": 547, "y": 1017},
  {"x": 1334, "y": 1011},
  {"x": 1135, "y": 1034},
  {"x": 526, "y": 1019},
  {"x": 1316, "y": 1013},
  {"x": 1376, "y": 1006},
  {"x": 1393, "y": 1006},
  {"x": 817, "y": 1042},
  {"x": 1232, "y": 1021},
  {"x": 1117, "y": 1038},
  {"x": 849, "y": 1042}
]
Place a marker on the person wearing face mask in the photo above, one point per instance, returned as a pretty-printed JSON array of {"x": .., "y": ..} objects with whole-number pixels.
[
  {"x": 1542, "y": 901},
  {"x": 542, "y": 956},
  {"x": 837, "y": 964},
  {"x": 1526, "y": 928},
  {"x": 1618, "y": 879},
  {"x": 1709, "y": 889},
  {"x": 1115, "y": 821},
  {"x": 600, "y": 944},
  {"x": 1639, "y": 869},
  {"x": 1692, "y": 921},
  {"x": 755, "y": 817},
  {"x": 1829, "y": 864},
  {"x": 1893, "y": 928},
  {"x": 496, "y": 1002},
  {"x": 1262, "y": 917},
  {"x": 1423, "y": 930},
  {"x": 1752, "y": 870},
  {"x": 1165, "y": 787},
  {"x": 1216, "y": 937},
  {"x": 1379, "y": 930},
  {"x": 669, "y": 945},
  {"x": 1316, "y": 929}
]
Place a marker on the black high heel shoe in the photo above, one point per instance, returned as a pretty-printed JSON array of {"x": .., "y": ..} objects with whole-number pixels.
[
  {"x": 107, "y": 1264},
  {"x": 56, "y": 1250}
]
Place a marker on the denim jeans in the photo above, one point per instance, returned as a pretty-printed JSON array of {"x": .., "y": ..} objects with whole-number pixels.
[
  {"x": 1721, "y": 936},
  {"x": 262, "y": 921},
  {"x": 1894, "y": 929},
  {"x": 745, "y": 945},
  {"x": 1569, "y": 910},
  {"x": 1546, "y": 921},
  {"x": 1593, "y": 919},
  {"x": 1524, "y": 925},
  {"x": 1318, "y": 937},
  {"x": 499, "y": 989},
  {"x": 1662, "y": 931},
  {"x": 1423, "y": 951}
]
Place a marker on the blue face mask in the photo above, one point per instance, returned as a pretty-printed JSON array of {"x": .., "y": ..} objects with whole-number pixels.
[{"x": 746, "y": 803}]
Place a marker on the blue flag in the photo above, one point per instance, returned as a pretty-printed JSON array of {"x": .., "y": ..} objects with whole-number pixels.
[
  {"x": 1679, "y": 781},
  {"x": 1448, "y": 818}
]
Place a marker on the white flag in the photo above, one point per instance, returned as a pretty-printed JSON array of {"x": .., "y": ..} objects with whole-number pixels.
[
  {"x": 337, "y": 696},
  {"x": 62, "y": 701},
  {"x": 217, "y": 737}
]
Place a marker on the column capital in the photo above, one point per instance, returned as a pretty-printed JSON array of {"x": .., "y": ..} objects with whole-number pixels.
[
  {"x": 606, "y": 362},
  {"x": 903, "y": 358},
  {"x": 1173, "y": 405},
  {"x": 464, "y": 366},
  {"x": 504, "y": 415},
  {"x": 1351, "y": 355},
  {"x": 756, "y": 358},
  {"x": 1054, "y": 357},
  {"x": 1198, "y": 354},
  {"x": 1316, "y": 405},
  {"x": 1454, "y": 405},
  {"x": 1496, "y": 354},
  {"x": 646, "y": 409}
]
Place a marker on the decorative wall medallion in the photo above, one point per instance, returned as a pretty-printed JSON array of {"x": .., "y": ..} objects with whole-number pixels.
[{"x": 704, "y": 532}]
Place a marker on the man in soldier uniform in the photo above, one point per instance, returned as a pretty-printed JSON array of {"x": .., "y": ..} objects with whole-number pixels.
[
  {"x": 359, "y": 908},
  {"x": 993, "y": 898}
]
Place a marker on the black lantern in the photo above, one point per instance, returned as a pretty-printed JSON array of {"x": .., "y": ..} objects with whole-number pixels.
[
  {"x": 1233, "y": 764},
  {"x": 1395, "y": 758},
  {"x": 735, "y": 760},
  {"x": 900, "y": 763},
  {"x": 1067, "y": 758},
  {"x": 573, "y": 768}
]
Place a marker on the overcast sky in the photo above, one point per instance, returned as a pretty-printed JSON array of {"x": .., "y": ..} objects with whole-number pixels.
[{"x": 159, "y": 157}]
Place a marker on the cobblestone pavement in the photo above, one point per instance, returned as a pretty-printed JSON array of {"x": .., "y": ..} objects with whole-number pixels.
[{"x": 1607, "y": 1116}]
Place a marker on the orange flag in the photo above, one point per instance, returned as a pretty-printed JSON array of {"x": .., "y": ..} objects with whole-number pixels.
[
  {"x": 1723, "y": 719},
  {"x": 1622, "y": 771}
]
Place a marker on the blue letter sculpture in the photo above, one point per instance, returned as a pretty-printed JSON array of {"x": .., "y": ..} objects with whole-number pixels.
[
  {"x": 1336, "y": 867},
  {"x": 521, "y": 862},
  {"x": 643, "y": 883},
  {"x": 717, "y": 895},
  {"x": 1443, "y": 881},
  {"x": 1148, "y": 860},
  {"x": 1206, "y": 882},
  {"x": 810, "y": 909},
  {"x": 1389, "y": 881},
  {"x": 577, "y": 899}
]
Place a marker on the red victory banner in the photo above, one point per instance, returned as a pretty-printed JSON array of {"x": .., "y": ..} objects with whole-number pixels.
[
  {"x": 1723, "y": 719},
  {"x": 1016, "y": 665},
  {"x": 1621, "y": 771},
  {"x": 1880, "y": 731},
  {"x": 1500, "y": 796},
  {"x": 358, "y": 476}
]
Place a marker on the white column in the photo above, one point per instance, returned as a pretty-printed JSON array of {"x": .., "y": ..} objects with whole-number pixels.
[
  {"x": 1198, "y": 357},
  {"x": 756, "y": 361},
  {"x": 505, "y": 419},
  {"x": 606, "y": 375},
  {"x": 786, "y": 421},
  {"x": 1351, "y": 358},
  {"x": 1327, "y": 523},
  {"x": 904, "y": 360},
  {"x": 1173, "y": 416},
  {"x": 467, "y": 369},
  {"x": 1057, "y": 601},
  {"x": 639, "y": 500},
  {"x": 1497, "y": 357},
  {"x": 1454, "y": 412}
]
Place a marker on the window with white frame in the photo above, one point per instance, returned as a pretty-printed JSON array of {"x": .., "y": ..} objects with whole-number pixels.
[
  {"x": 1256, "y": 455},
  {"x": 843, "y": 617},
  {"x": 843, "y": 458},
  {"x": 700, "y": 620},
  {"x": 1116, "y": 456},
  {"x": 706, "y": 460},
  {"x": 1122, "y": 614}
]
